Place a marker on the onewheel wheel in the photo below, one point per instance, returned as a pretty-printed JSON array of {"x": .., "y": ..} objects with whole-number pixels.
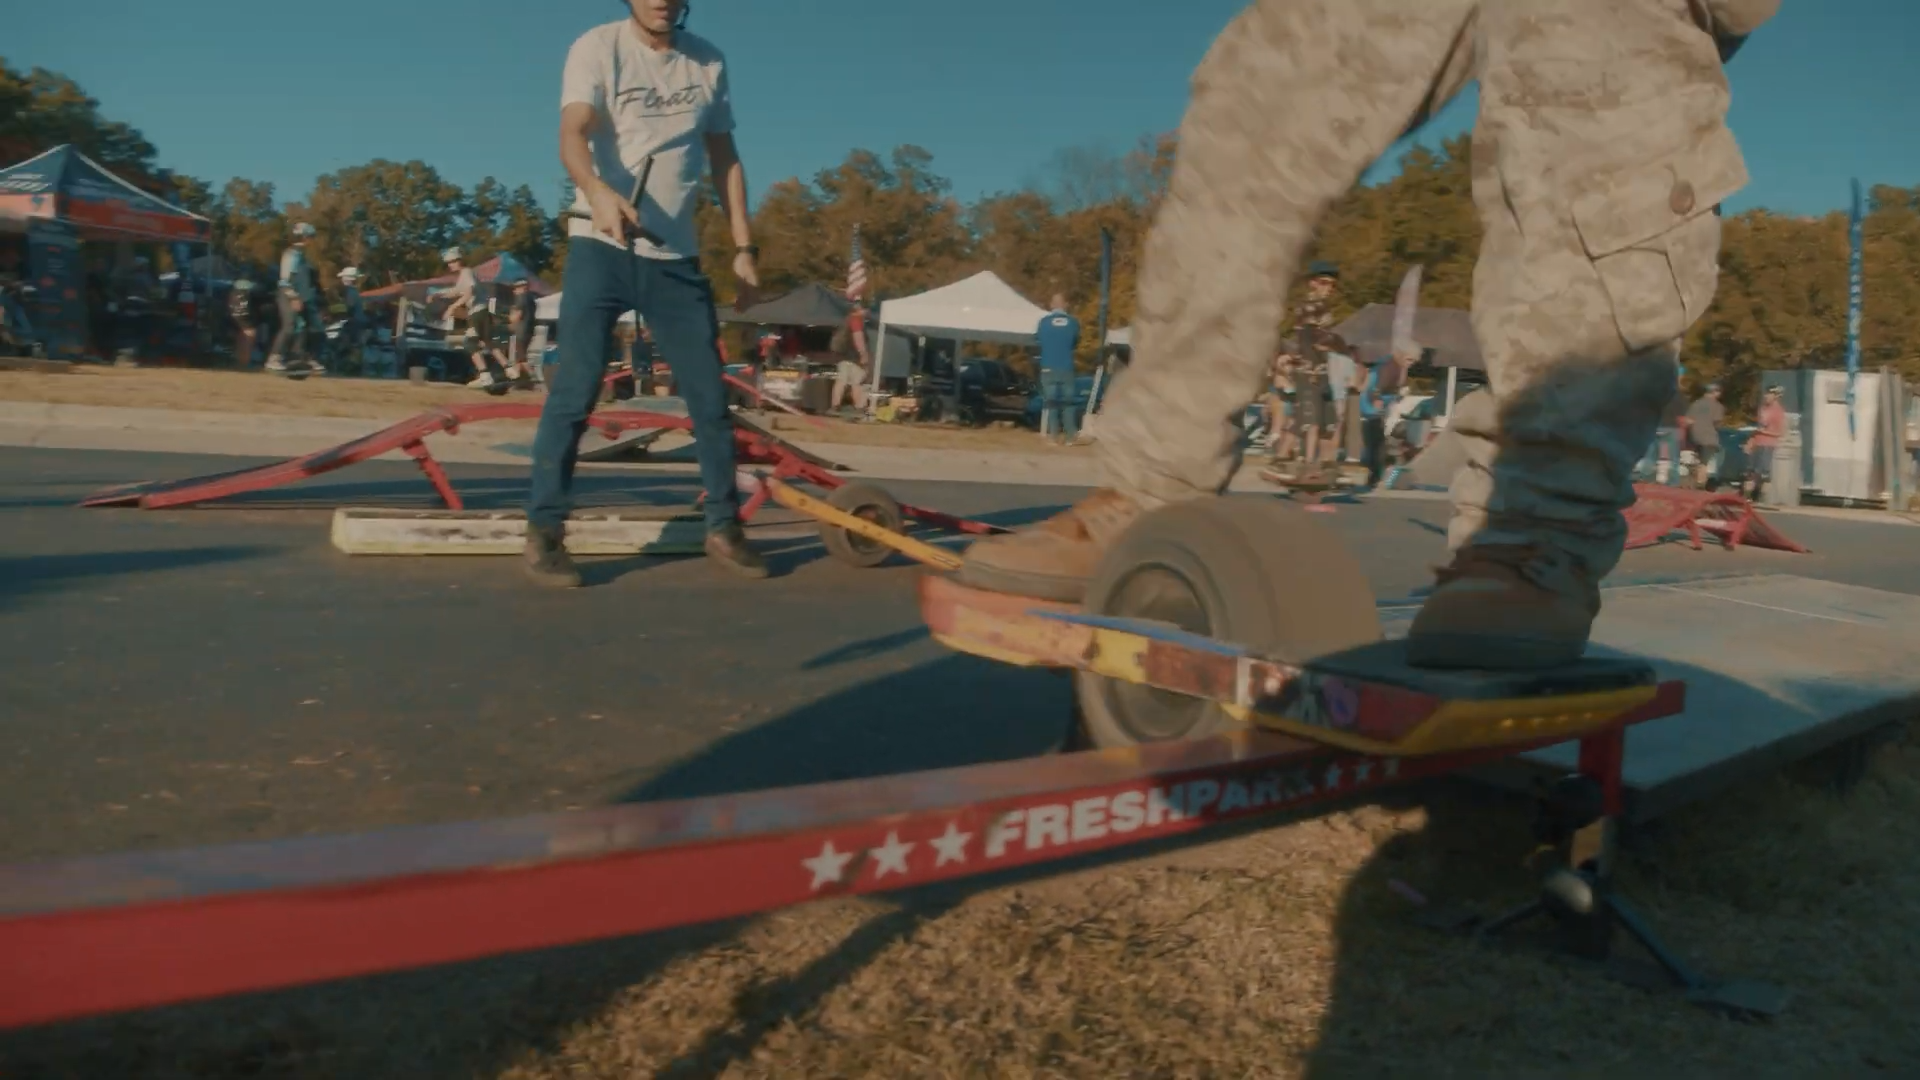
[
  {"x": 869, "y": 503},
  {"x": 1252, "y": 572}
]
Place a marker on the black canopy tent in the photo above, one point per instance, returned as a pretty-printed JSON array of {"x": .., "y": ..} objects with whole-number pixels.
[
  {"x": 1446, "y": 340},
  {"x": 810, "y": 305}
]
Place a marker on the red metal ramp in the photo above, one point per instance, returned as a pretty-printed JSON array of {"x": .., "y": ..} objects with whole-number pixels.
[{"x": 1659, "y": 512}]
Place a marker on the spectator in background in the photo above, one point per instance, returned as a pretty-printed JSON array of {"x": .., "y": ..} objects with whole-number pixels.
[
  {"x": 1772, "y": 422},
  {"x": 1342, "y": 376},
  {"x": 520, "y": 320},
  {"x": 353, "y": 323},
  {"x": 471, "y": 319},
  {"x": 1378, "y": 391},
  {"x": 1281, "y": 438},
  {"x": 1703, "y": 432},
  {"x": 1059, "y": 335},
  {"x": 299, "y": 302},
  {"x": 1665, "y": 447},
  {"x": 240, "y": 306},
  {"x": 852, "y": 364}
]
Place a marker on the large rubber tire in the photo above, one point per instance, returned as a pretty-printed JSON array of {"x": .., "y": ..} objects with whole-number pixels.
[
  {"x": 1254, "y": 572},
  {"x": 862, "y": 501}
]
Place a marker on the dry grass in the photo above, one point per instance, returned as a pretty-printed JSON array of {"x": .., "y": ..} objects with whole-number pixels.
[
  {"x": 1278, "y": 953},
  {"x": 199, "y": 390},
  {"x": 195, "y": 390}
]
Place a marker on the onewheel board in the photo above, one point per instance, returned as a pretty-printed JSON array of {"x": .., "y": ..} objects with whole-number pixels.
[
  {"x": 1365, "y": 698},
  {"x": 627, "y": 531}
]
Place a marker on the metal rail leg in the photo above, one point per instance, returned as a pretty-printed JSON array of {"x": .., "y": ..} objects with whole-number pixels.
[
  {"x": 436, "y": 475},
  {"x": 1578, "y": 818}
]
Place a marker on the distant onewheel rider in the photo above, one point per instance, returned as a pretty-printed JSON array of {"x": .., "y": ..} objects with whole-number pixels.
[
  {"x": 298, "y": 295},
  {"x": 637, "y": 90},
  {"x": 1600, "y": 157}
]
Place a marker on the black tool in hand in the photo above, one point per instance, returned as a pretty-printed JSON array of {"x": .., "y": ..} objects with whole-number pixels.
[{"x": 639, "y": 191}]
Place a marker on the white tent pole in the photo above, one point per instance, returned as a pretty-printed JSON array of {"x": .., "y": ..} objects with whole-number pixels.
[{"x": 879, "y": 351}]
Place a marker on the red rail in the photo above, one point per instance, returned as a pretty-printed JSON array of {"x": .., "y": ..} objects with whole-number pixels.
[
  {"x": 1660, "y": 511},
  {"x": 98, "y": 935}
]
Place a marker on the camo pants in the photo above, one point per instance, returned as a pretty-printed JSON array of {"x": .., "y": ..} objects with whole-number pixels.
[{"x": 1600, "y": 154}]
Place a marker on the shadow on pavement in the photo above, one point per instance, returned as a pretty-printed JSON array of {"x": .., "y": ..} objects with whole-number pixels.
[{"x": 25, "y": 575}]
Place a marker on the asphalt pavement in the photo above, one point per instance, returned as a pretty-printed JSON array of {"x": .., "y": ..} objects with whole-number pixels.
[{"x": 208, "y": 675}]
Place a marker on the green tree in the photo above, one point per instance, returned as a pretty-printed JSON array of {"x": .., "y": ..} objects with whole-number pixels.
[{"x": 41, "y": 109}]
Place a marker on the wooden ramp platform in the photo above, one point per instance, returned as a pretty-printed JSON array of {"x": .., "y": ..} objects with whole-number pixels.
[
  {"x": 1777, "y": 668},
  {"x": 627, "y": 531}
]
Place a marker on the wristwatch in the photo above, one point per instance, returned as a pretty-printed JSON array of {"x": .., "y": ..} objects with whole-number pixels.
[{"x": 747, "y": 249}]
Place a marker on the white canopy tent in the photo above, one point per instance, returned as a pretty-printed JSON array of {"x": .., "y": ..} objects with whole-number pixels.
[{"x": 979, "y": 308}]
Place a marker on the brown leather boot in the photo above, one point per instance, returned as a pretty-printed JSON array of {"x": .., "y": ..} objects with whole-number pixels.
[
  {"x": 1054, "y": 559},
  {"x": 1491, "y": 611}
]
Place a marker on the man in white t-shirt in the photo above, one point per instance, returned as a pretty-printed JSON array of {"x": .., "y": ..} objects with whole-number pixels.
[{"x": 640, "y": 91}]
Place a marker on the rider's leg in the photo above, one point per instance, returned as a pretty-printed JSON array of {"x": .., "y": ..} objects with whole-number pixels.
[
  {"x": 283, "y": 334},
  {"x": 1596, "y": 174},
  {"x": 1292, "y": 102}
]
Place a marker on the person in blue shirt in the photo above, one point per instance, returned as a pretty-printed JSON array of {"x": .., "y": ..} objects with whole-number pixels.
[
  {"x": 1378, "y": 392},
  {"x": 1059, "y": 335}
]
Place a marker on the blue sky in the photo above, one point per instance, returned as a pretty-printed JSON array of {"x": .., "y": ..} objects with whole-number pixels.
[{"x": 284, "y": 91}]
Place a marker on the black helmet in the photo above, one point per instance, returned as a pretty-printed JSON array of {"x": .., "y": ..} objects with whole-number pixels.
[{"x": 1323, "y": 268}]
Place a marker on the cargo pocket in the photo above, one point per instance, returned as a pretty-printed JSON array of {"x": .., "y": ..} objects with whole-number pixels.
[{"x": 1654, "y": 239}]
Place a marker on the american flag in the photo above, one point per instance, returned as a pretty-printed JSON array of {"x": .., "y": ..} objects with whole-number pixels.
[{"x": 856, "y": 269}]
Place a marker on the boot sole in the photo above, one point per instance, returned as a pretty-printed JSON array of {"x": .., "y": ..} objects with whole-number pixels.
[
  {"x": 1490, "y": 653},
  {"x": 1066, "y": 590}
]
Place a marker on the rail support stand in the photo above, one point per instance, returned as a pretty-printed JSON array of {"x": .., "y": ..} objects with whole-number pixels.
[{"x": 1577, "y": 820}]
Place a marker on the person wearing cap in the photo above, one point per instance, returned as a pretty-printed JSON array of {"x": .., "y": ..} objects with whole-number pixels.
[
  {"x": 1704, "y": 418},
  {"x": 353, "y": 324},
  {"x": 521, "y": 316},
  {"x": 470, "y": 319},
  {"x": 298, "y": 296},
  {"x": 1771, "y": 424},
  {"x": 1306, "y": 355}
]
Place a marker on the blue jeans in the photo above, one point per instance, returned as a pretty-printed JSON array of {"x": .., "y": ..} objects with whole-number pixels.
[
  {"x": 676, "y": 301},
  {"x": 1056, "y": 397},
  {"x": 1670, "y": 439}
]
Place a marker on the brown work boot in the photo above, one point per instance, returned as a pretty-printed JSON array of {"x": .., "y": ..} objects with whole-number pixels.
[
  {"x": 1054, "y": 559},
  {"x": 547, "y": 561},
  {"x": 727, "y": 545},
  {"x": 1490, "y": 611}
]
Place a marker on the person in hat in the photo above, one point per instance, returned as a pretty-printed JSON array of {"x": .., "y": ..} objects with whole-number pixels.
[
  {"x": 1771, "y": 424},
  {"x": 1601, "y": 152},
  {"x": 298, "y": 297},
  {"x": 1306, "y": 357},
  {"x": 353, "y": 324},
  {"x": 521, "y": 316},
  {"x": 469, "y": 321},
  {"x": 1704, "y": 418}
]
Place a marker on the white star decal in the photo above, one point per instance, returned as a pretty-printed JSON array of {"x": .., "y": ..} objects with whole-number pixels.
[
  {"x": 891, "y": 857},
  {"x": 828, "y": 865},
  {"x": 950, "y": 846},
  {"x": 1333, "y": 776},
  {"x": 1362, "y": 771}
]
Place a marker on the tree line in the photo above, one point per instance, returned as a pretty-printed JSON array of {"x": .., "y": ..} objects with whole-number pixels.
[{"x": 1782, "y": 301}]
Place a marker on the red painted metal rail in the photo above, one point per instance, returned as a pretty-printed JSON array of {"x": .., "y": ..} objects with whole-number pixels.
[
  {"x": 121, "y": 932},
  {"x": 753, "y": 445},
  {"x": 1660, "y": 511}
]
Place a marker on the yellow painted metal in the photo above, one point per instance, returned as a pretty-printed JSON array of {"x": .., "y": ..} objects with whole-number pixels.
[
  {"x": 919, "y": 551},
  {"x": 1454, "y": 726},
  {"x": 1475, "y": 725}
]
